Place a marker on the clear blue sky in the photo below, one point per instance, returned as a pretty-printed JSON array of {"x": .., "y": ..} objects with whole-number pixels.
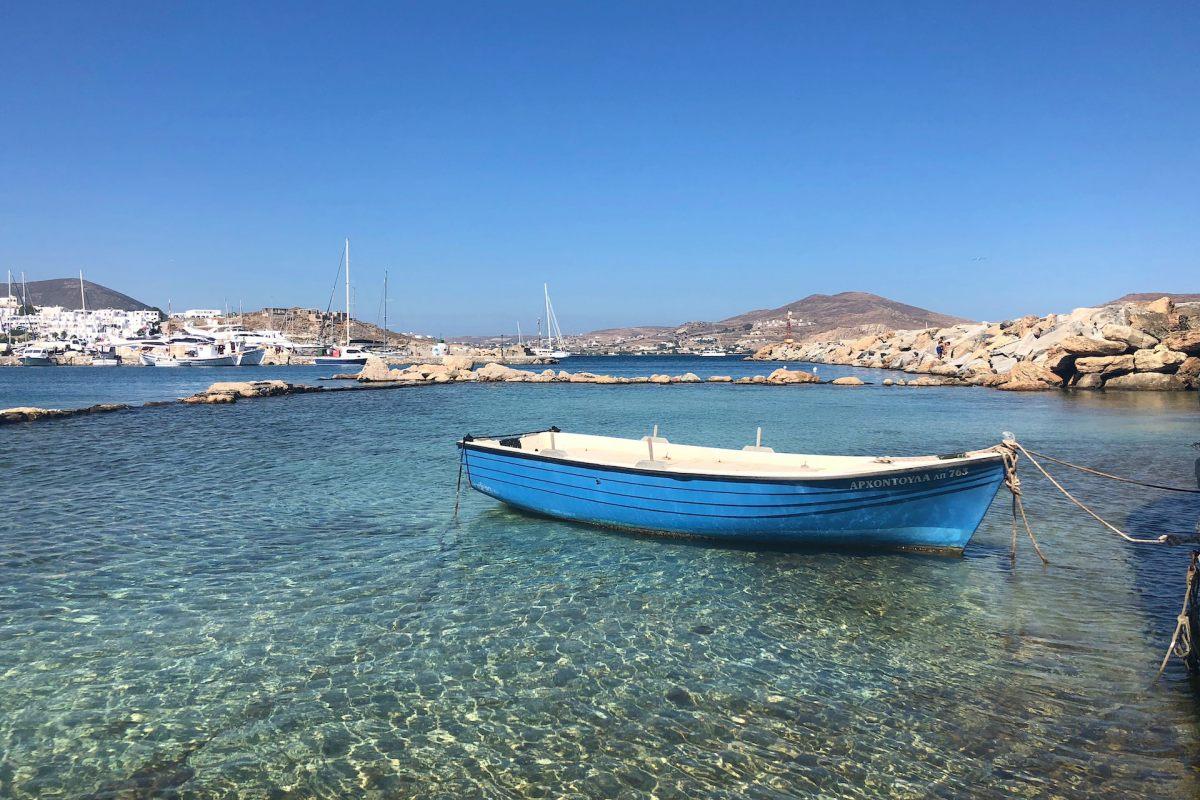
[{"x": 656, "y": 162}]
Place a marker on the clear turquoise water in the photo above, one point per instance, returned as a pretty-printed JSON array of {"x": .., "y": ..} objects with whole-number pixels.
[{"x": 267, "y": 600}]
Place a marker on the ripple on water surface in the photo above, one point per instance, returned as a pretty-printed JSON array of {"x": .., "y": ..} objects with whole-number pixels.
[{"x": 266, "y": 600}]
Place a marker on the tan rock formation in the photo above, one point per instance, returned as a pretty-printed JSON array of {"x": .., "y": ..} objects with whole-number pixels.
[
  {"x": 1089, "y": 346},
  {"x": 848, "y": 380},
  {"x": 1030, "y": 377},
  {"x": 1132, "y": 337},
  {"x": 1184, "y": 341},
  {"x": 1146, "y": 381},
  {"x": 786, "y": 376},
  {"x": 1105, "y": 365},
  {"x": 1160, "y": 359}
]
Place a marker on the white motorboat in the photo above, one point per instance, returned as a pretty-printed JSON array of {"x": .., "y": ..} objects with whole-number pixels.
[
  {"x": 713, "y": 354},
  {"x": 36, "y": 356},
  {"x": 203, "y": 355},
  {"x": 250, "y": 356},
  {"x": 350, "y": 355}
]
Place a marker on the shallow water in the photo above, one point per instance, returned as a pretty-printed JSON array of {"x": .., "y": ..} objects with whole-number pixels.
[{"x": 266, "y": 599}]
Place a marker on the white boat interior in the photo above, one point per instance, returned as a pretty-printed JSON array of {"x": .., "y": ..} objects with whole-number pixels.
[{"x": 656, "y": 452}]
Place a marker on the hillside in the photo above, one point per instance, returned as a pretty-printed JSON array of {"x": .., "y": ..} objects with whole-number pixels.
[
  {"x": 65, "y": 292},
  {"x": 812, "y": 317},
  {"x": 849, "y": 309},
  {"x": 1147, "y": 297}
]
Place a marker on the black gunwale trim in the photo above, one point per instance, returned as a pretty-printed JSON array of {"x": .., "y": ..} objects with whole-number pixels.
[{"x": 468, "y": 445}]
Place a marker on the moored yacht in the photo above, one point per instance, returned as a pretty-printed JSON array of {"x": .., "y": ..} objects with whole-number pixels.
[
  {"x": 553, "y": 332},
  {"x": 348, "y": 354},
  {"x": 36, "y": 356}
]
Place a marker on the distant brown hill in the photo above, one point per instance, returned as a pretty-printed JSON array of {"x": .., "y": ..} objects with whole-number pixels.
[
  {"x": 1147, "y": 297},
  {"x": 65, "y": 292},
  {"x": 850, "y": 309},
  {"x": 812, "y": 316}
]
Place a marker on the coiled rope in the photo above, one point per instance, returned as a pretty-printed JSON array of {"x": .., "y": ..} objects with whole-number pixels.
[
  {"x": 1183, "y": 642},
  {"x": 1013, "y": 481}
]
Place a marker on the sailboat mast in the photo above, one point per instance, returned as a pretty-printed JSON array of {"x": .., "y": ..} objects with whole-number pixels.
[
  {"x": 347, "y": 292},
  {"x": 385, "y": 327},
  {"x": 549, "y": 338},
  {"x": 82, "y": 299}
]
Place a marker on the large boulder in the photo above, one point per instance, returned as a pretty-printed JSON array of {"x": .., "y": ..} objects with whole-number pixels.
[
  {"x": 1185, "y": 342},
  {"x": 1146, "y": 381},
  {"x": 660, "y": 379},
  {"x": 1105, "y": 365},
  {"x": 1002, "y": 363},
  {"x": 1189, "y": 372},
  {"x": 1163, "y": 305},
  {"x": 247, "y": 388},
  {"x": 1160, "y": 359},
  {"x": 719, "y": 379},
  {"x": 376, "y": 369},
  {"x": 1138, "y": 340},
  {"x": 1088, "y": 346},
  {"x": 458, "y": 362},
  {"x": 849, "y": 380},
  {"x": 783, "y": 376},
  {"x": 493, "y": 372},
  {"x": 687, "y": 377},
  {"x": 1030, "y": 377},
  {"x": 1060, "y": 362}
]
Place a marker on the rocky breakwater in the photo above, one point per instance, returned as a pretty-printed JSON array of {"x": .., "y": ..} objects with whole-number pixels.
[
  {"x": 231, "y": 391},
  {"x": 1146, "y": 346},
  {"x": 375, "y": 371}
]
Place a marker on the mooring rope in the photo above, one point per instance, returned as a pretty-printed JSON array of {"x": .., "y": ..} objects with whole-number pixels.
[
  {"x": 1013, "y": 481},
  {"x": 1091, "y": 471},
  {"x": 1183, "y": 644},
  {"x": 1013, "y": 446}
]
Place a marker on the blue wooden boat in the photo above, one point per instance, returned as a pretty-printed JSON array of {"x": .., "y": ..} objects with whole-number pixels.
[{"x": 748, "y": 495}]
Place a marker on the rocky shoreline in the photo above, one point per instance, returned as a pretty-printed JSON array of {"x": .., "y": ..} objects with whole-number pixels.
[{"x": 1133, "y": 346}]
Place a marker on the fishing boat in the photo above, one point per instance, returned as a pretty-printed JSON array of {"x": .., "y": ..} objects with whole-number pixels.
[
  {"x": 347, "y": 355},
  {"x": 553, "y": 332},
  {"x": 752, "y": 495},
  {"x": 105, "y": 357},
  {"x": 207, "y": 355},
  {"x": 36, "y": 356}
]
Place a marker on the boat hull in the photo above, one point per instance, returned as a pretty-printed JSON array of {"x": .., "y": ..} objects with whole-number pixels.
[
  {"x": 167, "y": 361},
  {"x": 252, "y": 357},
  {"x": 336, "y": 361},
  {"x": 927, "y": 508},
  {"x": 36, "y": 361}
]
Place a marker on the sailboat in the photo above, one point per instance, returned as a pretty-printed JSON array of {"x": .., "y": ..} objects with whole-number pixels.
[
  {"x": 348, "y": 354},
  {"x": 553, "y": 332}
]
